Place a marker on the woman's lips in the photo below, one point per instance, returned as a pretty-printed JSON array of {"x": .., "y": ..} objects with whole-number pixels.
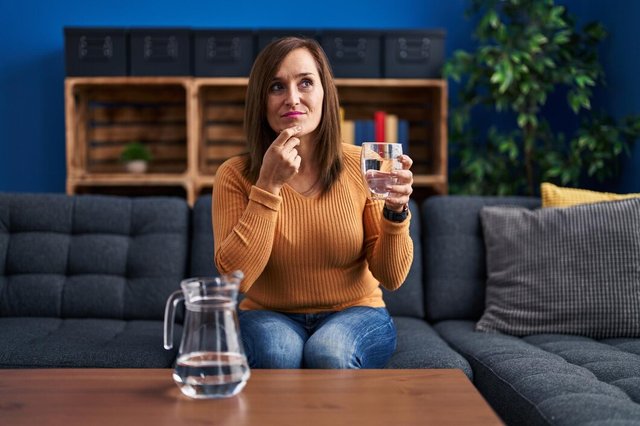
[{"x": 292, "y": 114}]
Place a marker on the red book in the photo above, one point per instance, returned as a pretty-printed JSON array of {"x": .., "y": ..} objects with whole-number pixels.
[{"x": 378, "y": 120}]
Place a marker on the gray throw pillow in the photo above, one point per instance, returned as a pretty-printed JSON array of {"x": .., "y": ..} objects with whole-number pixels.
[{"x": 572, "y": 270}]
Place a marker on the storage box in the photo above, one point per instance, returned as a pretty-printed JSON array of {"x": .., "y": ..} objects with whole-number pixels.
[
  {"x": 223, "y": 53},
  {"x": 95, "y": 51},
  {"x": 353, "y": 53},
  {"x": 160, "y": 52},
  {"x": 267, "y": 36},
  {"x": 413, "y": 54}
]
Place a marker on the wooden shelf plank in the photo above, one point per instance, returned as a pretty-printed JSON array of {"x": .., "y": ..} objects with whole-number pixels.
[
  {"x": 221, "y": 81},
  {"x": 127, "y": 81},
  {"x": 390, "y": 82},
  {"x": 132, "y": 179},
  {"x": 428, "y": 180}
]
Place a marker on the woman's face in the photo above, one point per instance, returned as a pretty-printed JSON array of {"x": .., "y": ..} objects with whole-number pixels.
[{"x": 295, "y": 94}]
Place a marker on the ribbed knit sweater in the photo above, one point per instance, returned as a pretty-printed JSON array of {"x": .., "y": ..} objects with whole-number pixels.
[{"x": 307, "y": 254}]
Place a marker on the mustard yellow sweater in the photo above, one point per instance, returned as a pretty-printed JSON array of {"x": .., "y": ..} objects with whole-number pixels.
[{"x": 307, "y": 255}]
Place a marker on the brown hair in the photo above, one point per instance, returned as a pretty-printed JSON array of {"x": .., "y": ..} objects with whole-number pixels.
[{"x": 257, "y": 130}]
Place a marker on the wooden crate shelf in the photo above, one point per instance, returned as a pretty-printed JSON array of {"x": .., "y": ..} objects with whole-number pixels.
[
  {"x": 103, "y": 115},
  {"x": 218, "y": 121},
  {"x": 194, "y": 124},
  {"x": 421, "y": 102}
]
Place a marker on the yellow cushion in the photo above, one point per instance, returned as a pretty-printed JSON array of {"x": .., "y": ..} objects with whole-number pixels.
[{"x": 556, "y": 196}]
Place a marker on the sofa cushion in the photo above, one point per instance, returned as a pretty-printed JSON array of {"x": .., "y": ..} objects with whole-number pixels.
[
  {"x": 454, "y": 256},
  {"x": 202, "y": 264},
  {"x": 569, "y": 270},
  {"x": 556, "y": 196},
  {"x": 551, "y": 378},
  {"x": 407, "y": 300},
  {"x": 32, "y": 342},
  {"x": 419, "y": 346},
  {"x": 90, "y": 256}
]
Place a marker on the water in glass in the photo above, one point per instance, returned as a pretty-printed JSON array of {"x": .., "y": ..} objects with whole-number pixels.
[{"x": 378, "y": 160}]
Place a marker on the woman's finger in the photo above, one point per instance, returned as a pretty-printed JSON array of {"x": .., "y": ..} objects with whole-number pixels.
[
  {"x": 401, "y": 190},
  {"x": 406, "y": 161},
  {"x": 285, "y": 135},
  {"x": 403, "y": 176}
]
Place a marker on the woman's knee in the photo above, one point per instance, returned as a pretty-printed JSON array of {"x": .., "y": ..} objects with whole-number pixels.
[
  {"x": 271, "y": 341},
  {"x": 355, "y": 338},
  {"x": 322, "y": 353}
]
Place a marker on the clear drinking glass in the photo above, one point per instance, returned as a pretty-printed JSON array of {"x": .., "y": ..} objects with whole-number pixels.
[
  {"x": 211, "y": 361},
  {"x": 377, "y": 161}
]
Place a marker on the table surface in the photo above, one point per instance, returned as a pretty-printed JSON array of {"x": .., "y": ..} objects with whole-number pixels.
[{"x": 271, "y": 397}]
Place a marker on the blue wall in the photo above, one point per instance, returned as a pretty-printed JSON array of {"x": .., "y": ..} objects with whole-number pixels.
[
  {"x": 621, "y": 59},
  {"x": 32, "y": 134}
]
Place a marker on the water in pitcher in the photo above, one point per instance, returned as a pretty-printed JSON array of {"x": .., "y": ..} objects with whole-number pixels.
[{"x": 211, "y": 374}]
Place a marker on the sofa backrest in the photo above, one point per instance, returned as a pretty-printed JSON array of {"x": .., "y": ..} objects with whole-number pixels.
[
  {"x": 454, "y": 254},
  {"x": 202, "y": 264},
  {"x": 90, "y": 256},
  {"x": 406, "y": 301}
]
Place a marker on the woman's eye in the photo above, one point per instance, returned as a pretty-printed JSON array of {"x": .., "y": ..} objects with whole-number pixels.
[
  {"x": 275, "y": 87},
  {"x": 306, "y": 83}
]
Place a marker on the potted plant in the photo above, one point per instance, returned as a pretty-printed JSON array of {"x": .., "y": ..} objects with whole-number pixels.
[
  {"x": 526, "y": 51},
  {"x": 136, "y": 157}
]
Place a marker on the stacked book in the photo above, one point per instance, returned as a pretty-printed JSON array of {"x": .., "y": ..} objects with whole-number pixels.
[{"x": 382, "y": 127}]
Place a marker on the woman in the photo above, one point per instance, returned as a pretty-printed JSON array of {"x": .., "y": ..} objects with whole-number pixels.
[{"x": 295, "y": 217}]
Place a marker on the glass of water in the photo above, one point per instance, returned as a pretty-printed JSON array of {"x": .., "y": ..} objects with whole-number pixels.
[{"x": 377, "y": 161}]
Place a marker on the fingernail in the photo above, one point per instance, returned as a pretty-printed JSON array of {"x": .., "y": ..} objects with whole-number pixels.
[{"x": 298, "y": 128}]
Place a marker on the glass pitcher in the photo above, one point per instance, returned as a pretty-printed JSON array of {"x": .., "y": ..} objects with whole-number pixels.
[{"x": 211, "y": 360}]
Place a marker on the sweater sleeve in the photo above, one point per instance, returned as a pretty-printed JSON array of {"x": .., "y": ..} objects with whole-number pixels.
[
  {"x": 244, "y": 222},
  {"x": 388, "y": 245}
]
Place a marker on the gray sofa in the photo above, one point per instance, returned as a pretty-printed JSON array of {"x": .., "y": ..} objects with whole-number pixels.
[
  {"x": 535, "y": 380},
  {"x": 84, "y": 280}
]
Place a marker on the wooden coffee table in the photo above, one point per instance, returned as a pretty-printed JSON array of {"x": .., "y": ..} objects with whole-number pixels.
[{"x": 272, "y": 397}]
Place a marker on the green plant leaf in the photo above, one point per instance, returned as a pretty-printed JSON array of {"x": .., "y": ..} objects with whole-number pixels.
[
  {"x": 526, "y": 50},
  {"x": 135, "y": 151}
]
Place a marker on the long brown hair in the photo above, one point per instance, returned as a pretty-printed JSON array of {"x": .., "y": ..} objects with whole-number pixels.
[{"x": 257, "y": 130}]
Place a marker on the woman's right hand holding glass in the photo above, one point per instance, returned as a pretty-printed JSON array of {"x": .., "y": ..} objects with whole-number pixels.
[{"x": 281, "y": 161}]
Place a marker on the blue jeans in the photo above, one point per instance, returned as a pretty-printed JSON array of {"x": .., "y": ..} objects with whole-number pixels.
[{"x": 357, "y": 337}]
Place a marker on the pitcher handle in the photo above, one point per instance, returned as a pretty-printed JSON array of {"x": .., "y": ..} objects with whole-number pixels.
[{"x": 170, "y": 317}]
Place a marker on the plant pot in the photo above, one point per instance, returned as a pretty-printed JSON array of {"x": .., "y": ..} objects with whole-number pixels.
[{"x": 136, "y": 166}]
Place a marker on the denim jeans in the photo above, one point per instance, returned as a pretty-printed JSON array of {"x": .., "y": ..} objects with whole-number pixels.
[{"x": 357, "y": 337}]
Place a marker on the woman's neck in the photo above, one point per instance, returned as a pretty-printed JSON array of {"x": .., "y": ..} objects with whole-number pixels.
[{"x": 306, "y": 181}]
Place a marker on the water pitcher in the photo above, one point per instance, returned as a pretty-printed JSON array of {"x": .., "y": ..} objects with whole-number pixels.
[{"x": 211, "y": 360}]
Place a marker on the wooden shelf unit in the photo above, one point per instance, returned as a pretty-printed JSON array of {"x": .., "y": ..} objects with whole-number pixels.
[{"x": 193, "y": 124}]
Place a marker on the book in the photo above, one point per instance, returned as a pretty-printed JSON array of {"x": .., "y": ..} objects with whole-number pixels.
[
  {"x": 369, "y": 131},
  {"x": 403, "y": 135},
  {"x": 364, "y": 131},
  {"x": 391, "y": 128},
  {"x": 358, "y": 131},
  {"x": 379, "y": 120},
  {"x": 348, "y": 131}
]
